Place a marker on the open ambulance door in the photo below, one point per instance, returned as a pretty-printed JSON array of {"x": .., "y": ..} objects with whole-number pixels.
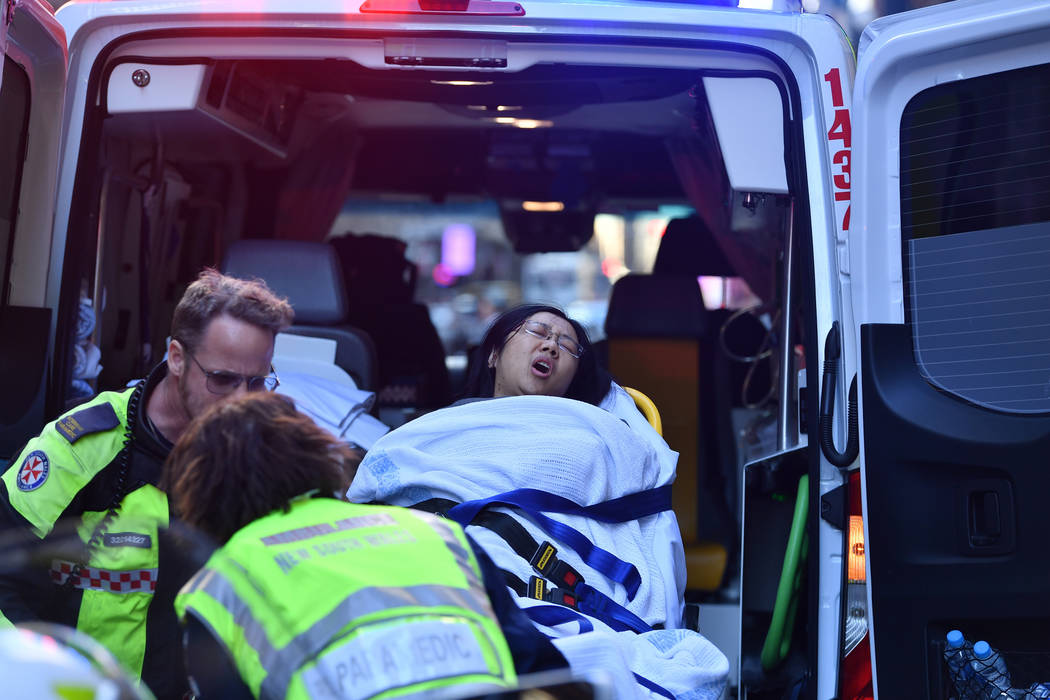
[
  {"x": 32, "y": 86},
  {"x": 950, "y": 260}
]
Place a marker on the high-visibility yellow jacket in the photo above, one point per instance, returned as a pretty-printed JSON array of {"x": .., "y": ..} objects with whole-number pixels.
[
  {"x": 77, "y": 468},
  {"x": 337, "y": 600}
]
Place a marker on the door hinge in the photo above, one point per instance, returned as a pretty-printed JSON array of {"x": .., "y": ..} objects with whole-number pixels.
[{"x": 833, "y": 507}]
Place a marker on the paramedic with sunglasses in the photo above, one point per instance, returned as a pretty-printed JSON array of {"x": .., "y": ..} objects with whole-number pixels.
[{"x": 96, "y": 468}]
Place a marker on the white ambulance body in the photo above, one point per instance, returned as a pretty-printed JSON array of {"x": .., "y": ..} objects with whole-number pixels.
[{"x": 904, "y": 200}]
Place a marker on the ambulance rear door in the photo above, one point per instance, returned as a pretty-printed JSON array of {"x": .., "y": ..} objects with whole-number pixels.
[
  {"x": 950, "y": 258},
  {"x": 32, "y": 87}
]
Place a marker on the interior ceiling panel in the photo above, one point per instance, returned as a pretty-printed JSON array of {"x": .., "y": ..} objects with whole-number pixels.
[{"x": 527, "y": 164}]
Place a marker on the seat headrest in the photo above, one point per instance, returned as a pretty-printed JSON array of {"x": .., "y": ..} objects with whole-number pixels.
[
  {"x": 305, "y": 272},
  {"x": 688, "y": 248},
  {"x": 657, "y": 307}
]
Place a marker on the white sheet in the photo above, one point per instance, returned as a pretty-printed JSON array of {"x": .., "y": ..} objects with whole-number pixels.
[
  {"x": 579, "y": 452},
  {"x": 330, "y": 397}
]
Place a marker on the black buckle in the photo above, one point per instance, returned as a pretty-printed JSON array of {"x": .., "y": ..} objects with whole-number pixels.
[
  {"x": 537, "y": 588},
  {"x": 565, "y": 575},
  {"x": 545, "y": 562},
  {"x": 543, "y": 558},
  {"x": 563, "y": 596}
]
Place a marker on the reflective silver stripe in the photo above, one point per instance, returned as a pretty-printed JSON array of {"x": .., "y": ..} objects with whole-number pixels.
[
  {"x": 462, "y": 557},
  {"x": 476, "y": 587},
  {"x": 360, "y": 604},
  {"x": 282, "y": 664},
  {"x": 327, "y": 528}
]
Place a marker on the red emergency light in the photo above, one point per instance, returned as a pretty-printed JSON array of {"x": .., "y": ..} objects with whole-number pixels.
[{"x": 445, "y": 7}]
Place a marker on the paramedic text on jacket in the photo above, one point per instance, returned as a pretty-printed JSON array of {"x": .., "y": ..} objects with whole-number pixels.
[
  {"x": 98, "y": 466},
  {"x": 325, "y": 620}
]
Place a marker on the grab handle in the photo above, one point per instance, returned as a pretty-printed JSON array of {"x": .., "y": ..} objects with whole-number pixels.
[{"x": 832, "y": 355}]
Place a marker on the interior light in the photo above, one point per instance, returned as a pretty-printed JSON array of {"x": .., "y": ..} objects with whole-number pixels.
[
  {"x": 508, "y": 108},
  {"x": 477, "y": 108},
  {"x": 461, "y": 83},
  {"x": 543, "y": 206},
  {"x": 756, "y": 4},
  {"x": 532, "y": 123},
  {"x": 504, "y": 120}
]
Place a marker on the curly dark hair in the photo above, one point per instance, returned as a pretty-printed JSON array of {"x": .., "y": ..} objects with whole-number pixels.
[
  {"x": 591, "y": 382},
  {"x": 247, "y": 457}
]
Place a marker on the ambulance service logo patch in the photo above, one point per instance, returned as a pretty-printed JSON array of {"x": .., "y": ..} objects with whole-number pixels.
[{"x": 33, "y": 472}]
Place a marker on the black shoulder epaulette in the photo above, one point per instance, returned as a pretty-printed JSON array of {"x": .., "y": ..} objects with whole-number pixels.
[{"x": 95, "y": 419}]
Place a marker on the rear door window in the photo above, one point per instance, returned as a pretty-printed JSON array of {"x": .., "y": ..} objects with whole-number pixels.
[{"x": 975, "y": 215}]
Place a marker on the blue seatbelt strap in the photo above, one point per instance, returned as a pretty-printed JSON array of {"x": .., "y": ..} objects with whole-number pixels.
[
  {"x": 596, "y": 604},
  {"x": 551, "y": 615},
  {"x": 658, "y": 689},
  {"x": 618, "y": 510},
  {"x": 632, "y": 506}
]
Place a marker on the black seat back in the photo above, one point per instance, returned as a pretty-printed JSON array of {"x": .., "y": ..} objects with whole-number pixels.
[
  {"x": 309, "y": 275},
  {"x": 413, "y": 376}
]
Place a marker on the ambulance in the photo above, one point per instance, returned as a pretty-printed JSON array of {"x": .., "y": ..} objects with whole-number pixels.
[{"x": 889, "y": 209}]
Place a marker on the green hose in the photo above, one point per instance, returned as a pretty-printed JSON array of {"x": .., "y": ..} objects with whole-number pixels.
[{"x": 778, "y": 639}]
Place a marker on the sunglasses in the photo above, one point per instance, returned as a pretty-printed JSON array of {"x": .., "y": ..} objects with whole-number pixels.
[{"x": 223, "y": 382}]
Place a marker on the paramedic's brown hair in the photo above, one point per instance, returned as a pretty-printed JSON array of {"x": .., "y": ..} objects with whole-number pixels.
[
  {"x": 214, "y": 293},
  {"x": 247, "y": 457}
]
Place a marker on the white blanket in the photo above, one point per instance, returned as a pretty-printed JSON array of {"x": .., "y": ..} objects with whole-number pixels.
[{"x": 579, "y": 452}]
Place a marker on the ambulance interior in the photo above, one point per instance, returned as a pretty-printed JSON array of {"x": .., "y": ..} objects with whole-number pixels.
[{"x": 559, "y": 181}]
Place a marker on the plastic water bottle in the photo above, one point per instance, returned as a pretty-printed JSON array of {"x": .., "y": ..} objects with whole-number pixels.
[
  {"x": 957, "y": 655},
  {"x": 989, "y": 666}
]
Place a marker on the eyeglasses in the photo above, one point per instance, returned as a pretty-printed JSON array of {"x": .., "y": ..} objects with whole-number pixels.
[
  {"x": 223, "y": 382},
  {"x": 539, "y": 329}
]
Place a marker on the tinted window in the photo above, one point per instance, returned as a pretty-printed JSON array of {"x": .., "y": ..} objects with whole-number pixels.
[
  {"x": 14, "y": 111},
  {"x": 975, "y": 217}
]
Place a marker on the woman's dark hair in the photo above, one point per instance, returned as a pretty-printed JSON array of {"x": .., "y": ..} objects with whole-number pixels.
[
  {"x": 591, "y": 382},
  {"x": 247, "y": 457}
]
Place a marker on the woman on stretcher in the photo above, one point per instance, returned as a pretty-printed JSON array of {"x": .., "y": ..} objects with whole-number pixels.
[{"x": 567, "y": 488}]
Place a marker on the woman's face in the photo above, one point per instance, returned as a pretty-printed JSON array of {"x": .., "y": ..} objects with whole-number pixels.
[{"x": 530, "y": 365}]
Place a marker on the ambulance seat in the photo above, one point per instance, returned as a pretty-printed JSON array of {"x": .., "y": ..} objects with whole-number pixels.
[
  {"x": 662, "y": 341},
  {"x": 688, "y": 249},
  {"x": 705, "y": 559},
  {"x": 308, "y": 274}
]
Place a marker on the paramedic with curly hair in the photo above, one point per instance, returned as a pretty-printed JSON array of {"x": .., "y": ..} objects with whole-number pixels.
[{"x": 310, "y": 596}]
